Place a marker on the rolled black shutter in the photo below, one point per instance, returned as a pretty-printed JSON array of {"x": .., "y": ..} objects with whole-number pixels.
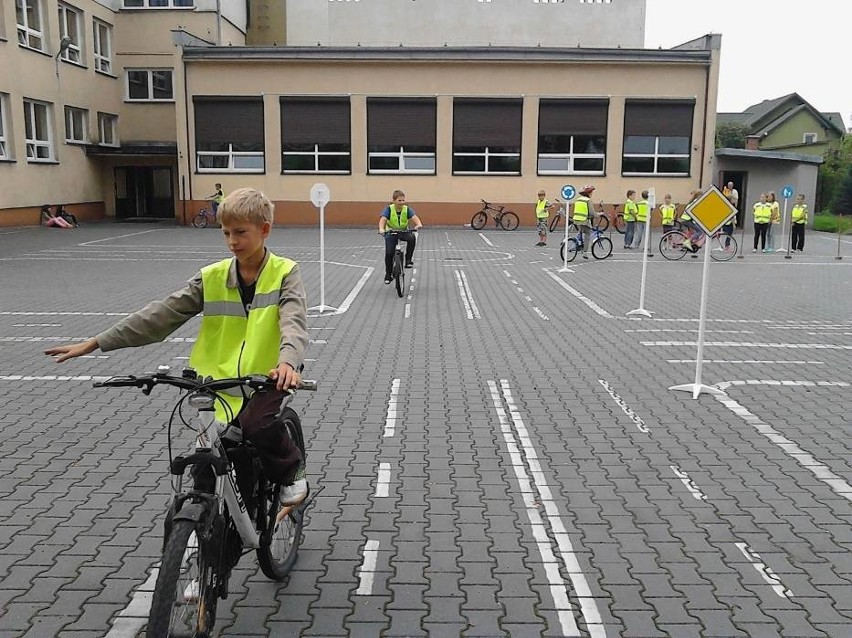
[
  {"x": 220, "y": 121},
  {"x": 670, "y": 118},
  {"x": 493, "y": 122},
  {"x": 394, "y": 122},
  {"x": 306, "y": 121},
  {"x": 572, "y": 117}
]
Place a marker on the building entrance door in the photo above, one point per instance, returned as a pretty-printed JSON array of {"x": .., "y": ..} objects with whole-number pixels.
[
  {"x": 740, "y": 180},
  {"x": 143, "y": 192}
]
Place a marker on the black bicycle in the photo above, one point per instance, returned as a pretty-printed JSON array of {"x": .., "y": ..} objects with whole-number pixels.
[
  {"x": 601, "y": 221},
  {"x": 601, "y": 246},
  {"x": 208, "y": 527},
  {"x": 398, "y": 268},
  {"x": 503, "y": 217}
]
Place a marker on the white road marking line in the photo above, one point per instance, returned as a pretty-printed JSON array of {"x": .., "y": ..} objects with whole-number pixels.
[
  {"x": 133, "y": 617},
  {"x": 806, "y": 384},
  {"x": 383, "y": 481},
  {"x": 470, "y": 308},
  {"x": 141, "y": 232},
  {"x": 486, "y": 240},
  {"x": 765, "y": 571},
  {"x": 749, "y": 344},
  {"x": 591, "y": 304},
  {"x": 689, "y": 483},
  {"x": 534, "y": 498},
  {"x": 96, "y": 356},
  {"x": 12, "y": 232},
  {"x": 748, "y": 361},
  {"x": 640, "y": 424},
  {"x": 806, "y": 460},
  {"x": 473, "y": 307},
  {"x": 842, "y": 334},
  {"x": 36, "y": 325},
  {"x": 802, "y": 326},
  {"x": 367, "y": 571},
  {"x": 408, "y": 311},
  {"x": 390, "y": 419},
  {"x": 540, "y": 313},
  {"x": 50, "y": 377},
  {"x": 734, "y": 332},
  {"x": 28, "y": 338},
  {"x": 27, "y": 313},
  {"x": 831, "y": 238},
  {"x": 447, "y": 235},
  {"x": 344, "y": 306}
]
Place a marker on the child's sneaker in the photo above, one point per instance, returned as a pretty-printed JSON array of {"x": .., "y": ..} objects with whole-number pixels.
[{"x": 298, "y": 491}]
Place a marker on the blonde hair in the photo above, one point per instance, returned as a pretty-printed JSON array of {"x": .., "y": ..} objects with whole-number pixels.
[{"x": 246, "y": 204}]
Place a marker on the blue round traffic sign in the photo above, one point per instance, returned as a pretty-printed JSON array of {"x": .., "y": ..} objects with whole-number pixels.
[
  {"x": 568, "y": 191},
  {"x": 787, "y": 192}
]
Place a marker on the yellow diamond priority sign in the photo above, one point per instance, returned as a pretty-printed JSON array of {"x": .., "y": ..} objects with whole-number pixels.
[{"x": 711, "y": 210}]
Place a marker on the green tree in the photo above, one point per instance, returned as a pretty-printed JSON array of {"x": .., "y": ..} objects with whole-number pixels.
[
  {"x": 731, "y": 135},
  {"x": 842, "y": 204},
  {"x": 833, "y": 171}
]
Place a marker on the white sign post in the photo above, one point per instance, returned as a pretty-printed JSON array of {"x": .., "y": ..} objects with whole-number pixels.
[
  {"x": 711, "y": 211},
  {"x": 786, "y": 193},
  {"x": 652, "y": 203},
  {"x": 567, "y": 193},
  {"x": 320, "y": 196}
]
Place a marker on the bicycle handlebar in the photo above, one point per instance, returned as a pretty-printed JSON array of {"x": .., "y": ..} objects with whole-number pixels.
[{"x": 147, "y": 382}]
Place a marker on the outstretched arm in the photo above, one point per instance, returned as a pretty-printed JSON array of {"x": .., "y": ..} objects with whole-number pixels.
[{"x": 71, "y": 350}]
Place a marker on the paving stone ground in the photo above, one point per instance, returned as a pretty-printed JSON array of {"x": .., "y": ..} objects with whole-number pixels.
[{"x": 544, "y": 481}]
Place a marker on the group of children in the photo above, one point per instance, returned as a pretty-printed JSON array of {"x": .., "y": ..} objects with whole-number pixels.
[{"x": 767, "y": 215}]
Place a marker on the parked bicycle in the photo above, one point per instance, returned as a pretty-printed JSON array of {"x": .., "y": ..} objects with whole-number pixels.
[
  {"x": 207, "y": 526},
  {"x": 601, "y": 246},
  {"x": 203, "y": 217},
  {"x": 503, "y": 217},
  {"x": 601, "y": 219},
  {"x": 398, "y": 270},
  {"x": 673, "y": 247}
]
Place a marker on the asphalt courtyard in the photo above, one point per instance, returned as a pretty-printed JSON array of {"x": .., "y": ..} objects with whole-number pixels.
[{"x": 499, "y": 449}]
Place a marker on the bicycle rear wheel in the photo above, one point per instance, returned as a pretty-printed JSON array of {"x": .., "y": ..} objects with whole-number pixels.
[
  {"x": 572, "y": 250},
  {"x": 479, "y": 220},
  {"x": 620, "y": 225},
  {"x": 200, "y": 220},
  {"x": 601, "y": 223},
  {"x": 718, "y": 250},
  {"x": 671, "y": 245},
  {"x": 509, "y": 221},
  {"x": 554, "y": 223},
  {"x": 186, "y": 593},
  {"x": 601, "y": 248}
]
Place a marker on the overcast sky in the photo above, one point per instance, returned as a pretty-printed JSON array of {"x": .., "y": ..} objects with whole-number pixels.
[{"x": 769, "y": 47}]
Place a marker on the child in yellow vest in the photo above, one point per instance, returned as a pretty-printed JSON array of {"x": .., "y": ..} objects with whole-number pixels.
[
  {"x": 799, "y": 219},
  {"x": 542, "y": 212}
]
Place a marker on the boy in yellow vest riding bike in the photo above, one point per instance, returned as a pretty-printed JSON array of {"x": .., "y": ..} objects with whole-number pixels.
[
  {"x": 396, "y": 217},
  {"x": 254, "y": 323}
]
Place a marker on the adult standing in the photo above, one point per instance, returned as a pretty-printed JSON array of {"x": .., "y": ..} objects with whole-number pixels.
[
  {"x": 799, "y": 218},
  {"x": 774, "y": 220},
  {"x": 762, "y": 215},
  {"x": 732, "y": 196}
]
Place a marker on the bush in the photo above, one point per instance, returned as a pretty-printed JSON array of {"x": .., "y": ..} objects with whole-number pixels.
[{"x": 829, "y": 223}]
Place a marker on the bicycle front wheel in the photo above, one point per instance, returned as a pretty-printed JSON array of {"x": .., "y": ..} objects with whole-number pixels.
[
  {"x": 554, "y": 223},
  {"x": 479, "y": 220},
  {"x": 509, "y": 221},
  {"x": 280, "y": 534},
  {"x": 620, "y": 225},
  {"x": 200, "y": 220},
  {"x": 572, "y": 250},
  {"x": 185, "y": 596},
  {"x": 671, "y": 245},
  {"x": 718, "y": 248},
  {"x": 602, "y": 248}
]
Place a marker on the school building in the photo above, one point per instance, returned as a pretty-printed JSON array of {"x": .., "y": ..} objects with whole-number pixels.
[{"x": 134, "y": 109}]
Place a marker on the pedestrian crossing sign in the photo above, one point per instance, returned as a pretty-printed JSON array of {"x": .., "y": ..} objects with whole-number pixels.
[{"x": 712, "y": 210}]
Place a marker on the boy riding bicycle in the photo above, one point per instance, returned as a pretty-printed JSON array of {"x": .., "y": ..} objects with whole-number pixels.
[
  {"x": 254, "y": 323},
  {"x": 396, "y": 217},
  {"x": 693, "y": 231}
]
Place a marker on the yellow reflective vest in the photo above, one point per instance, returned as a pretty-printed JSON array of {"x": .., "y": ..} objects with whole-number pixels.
[
  {"x": 762, "y": 212},
  {"x": 630, "y": 211},
  {"x": 667, "y": 211},
  {"x": 581, "y": 209},
  {"x": 397, "y": 219},
  {"x": 234, "y": 341},
  {"x": 799, "y": 214},
  {"x": 541, "y": 209},
  {"x": 642, "y": 211}
]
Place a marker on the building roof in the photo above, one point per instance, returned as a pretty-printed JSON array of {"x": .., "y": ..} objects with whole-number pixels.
[
  {"x": 769, "y": 155},
  {"x": 761, "y": 118}
]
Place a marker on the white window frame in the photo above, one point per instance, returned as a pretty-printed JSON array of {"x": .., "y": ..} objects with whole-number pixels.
[
  {"x": 233, "y": 157},
  {"x": 5, "y": 150},
  {"x": 657, "y": 156},
  {"x": 107, "y": 124},
  {"x": 402, "y": 156},
  {"x": 569, "y": 158},
  {"x": 150, "y": 74},
  {"x": 316, "y": 154},
  {"x": 170, "y": 4},
  {"x": 30, "y": 33},
  {"x": 35, "y": 143},
  {"x": 102, "y": 50},
  {"x": 81, "y": 123},
  {"x": 805, "y": 137},
  {"x": 68, "y": 14},
  {"x": 487, "y": 154}
]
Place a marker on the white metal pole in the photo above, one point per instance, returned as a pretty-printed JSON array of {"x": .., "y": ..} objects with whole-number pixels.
[
  {"x": 783, "y": 228},
  {"x": 565, "y": 240},
  {"x": 702, "y": 319},
  {"x": 322, "y": 258}
]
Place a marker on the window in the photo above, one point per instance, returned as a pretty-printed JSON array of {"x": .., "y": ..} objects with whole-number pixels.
[
  {"x": 150, "y": 85},
  {"x": 30, "y": 28},
  {"x": 38, "y": 131},
  {"x": 229, "y": 135},
  {"x": 159, "y": 4},
  {"x": 401, "y": 135},
  {"x": 69, "y": 27},
  {"x": 809, "y": 138},
  {"x": 657, "y": 137},
  {"x": 103, "y": 47},
  {"x": 107, "y": 135},
  {"x": 487, "y": 136},
  {"x": 572, "y": 137},
  {"x": 76, "y": 125},
  {"x": 315, "y": 135},
  {"x": 5, "y": 149}
]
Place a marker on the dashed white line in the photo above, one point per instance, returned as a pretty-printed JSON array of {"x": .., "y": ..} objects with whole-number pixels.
[
  {"x": 29, "y": 313},
  {"x": 36, "y": 325},
  {"x": 50, "y": 377},
  {"x": 591, "y": 304},
  {"x": 390, "y": 419},
  {"x": 749, "y": 361},
  {"x": 383, "y": 481},
  {"x": 749, "y": 344},
  {"x": 640, "y": 424},
  {"x": 688, "y": 483},
  {"x": 764, "y": 570},
  {"x": 367, "y": 571},
  {"x": 133, "y": 617},
  {"x": 486, "y": 240},
  {"x": 733, "y": 332},
  {"x": 141, "y": 232},
  {"x": 470, "y": 307}
]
